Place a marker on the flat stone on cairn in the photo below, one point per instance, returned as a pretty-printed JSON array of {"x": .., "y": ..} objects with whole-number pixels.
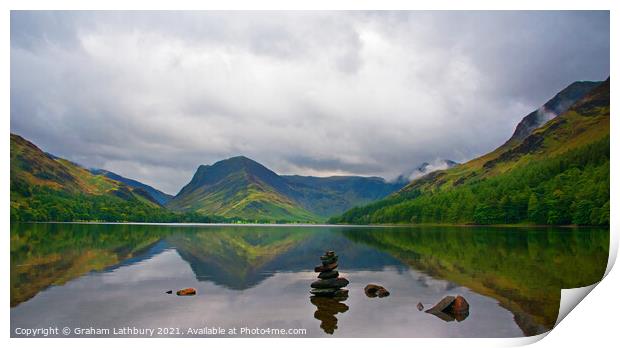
[{"x": 329, "y": 283}]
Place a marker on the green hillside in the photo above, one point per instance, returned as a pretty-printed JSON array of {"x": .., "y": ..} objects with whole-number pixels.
[
  {"x": 47, "y": 188},
  {"x": 240, "y": 187},
  {"x": 159, "y": 196},
  {"x": 558, "y": 174},
  {"x": 330, "y": 196}
]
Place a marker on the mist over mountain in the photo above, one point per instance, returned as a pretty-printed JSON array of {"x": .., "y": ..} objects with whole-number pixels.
[
  {"x": 425, "y": 168},
  {"x": 554, "y": 174},
  {"x": 522, "y": 180},
  {"x": 551, "y": 109},
  {"x": 368, "y": 93},
  {"x": 45, "y": 187}
]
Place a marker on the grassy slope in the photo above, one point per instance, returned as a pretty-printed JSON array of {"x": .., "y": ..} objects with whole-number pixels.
[
  {"x": 159, "y": 196},
  {"x": 240, "y": 194},
  {"x": 329, "y": 196},
  {"x": 563, "y": 133},
  {"x": 44, "y": 187},
  {"x": 584, "y": 123},
  {"x": 31, "y": 165},
  {"x": 240, "y": 187}
]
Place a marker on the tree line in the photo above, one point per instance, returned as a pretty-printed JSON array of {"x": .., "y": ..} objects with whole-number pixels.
[{"x": 571, "y": 188}]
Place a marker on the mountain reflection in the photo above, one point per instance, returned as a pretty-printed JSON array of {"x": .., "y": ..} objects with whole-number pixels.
[
  {"x": 52, "y": 254},
  {"x": 522, "y": 268},
  {"x": 234, "y": 257},
  {"x": 240, "y": 257},
  {"x": 237, "y": 258}
]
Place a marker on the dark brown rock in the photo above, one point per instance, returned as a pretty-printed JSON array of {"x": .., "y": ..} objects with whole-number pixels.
[
  {"x": 451, "y": 308},
  {"x": 325, "y": 268},
  {"x": 420, "y": 306},
  {"x": 443, "y": 304},
  {"x": 374, "y": 290},
  {"x": 450, "y": 316},
  {"x": 460, "y": 305},
  {"x": 328, "y": 255},
  {"x": 324, "y": 291},
  {"x": 329, "y": 261},
  {"x": 451, "y": 304},
  {"x": 383, "y": 293},
  {"x": 330, "y": 292},
  {"x": 329, "y": 274},
  {"x": 330, "y": 283},
  {"x": 169, "y": 292},
  {"x": 341, "y": 294},
  {"x": 371, "y": 290}
]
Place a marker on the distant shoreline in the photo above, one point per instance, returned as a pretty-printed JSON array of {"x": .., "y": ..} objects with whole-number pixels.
[{"x": 304, "y": 224}]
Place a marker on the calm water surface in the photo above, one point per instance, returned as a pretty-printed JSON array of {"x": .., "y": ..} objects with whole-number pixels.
[{"x": 116, "y": 276}]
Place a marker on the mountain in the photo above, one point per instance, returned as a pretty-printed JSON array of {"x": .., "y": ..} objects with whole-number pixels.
[
  {"x": 425, "y": 168},
  {"x": 551, "y": 109},
  {"x": 48, "y": 188},
  {"x": 241, "y": 187},
  {"x": 557, "y": 173},
  {"x": 160, "y": 197},
  {"x": 329, "y": 196}
]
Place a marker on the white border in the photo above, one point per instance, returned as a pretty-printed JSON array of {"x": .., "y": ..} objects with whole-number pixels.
[{"x": 592, "y": 323}]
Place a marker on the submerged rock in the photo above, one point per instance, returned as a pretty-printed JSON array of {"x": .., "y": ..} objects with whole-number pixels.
[
  {"x": 374, "y": 290},
  {"x": 420, "y": 306},
  {"x": 451, "y": 304},
  {"x": 186, "y": 292},
  {"x": 451, "y": 308}
]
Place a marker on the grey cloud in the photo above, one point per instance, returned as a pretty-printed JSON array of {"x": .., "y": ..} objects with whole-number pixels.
[{"x": 152, "y": 95}]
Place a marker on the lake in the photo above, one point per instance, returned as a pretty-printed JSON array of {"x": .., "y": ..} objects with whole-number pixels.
[{"x": 111, "y": 279}]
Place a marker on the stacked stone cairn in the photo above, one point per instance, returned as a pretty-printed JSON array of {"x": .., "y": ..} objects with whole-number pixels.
[{"x": 329, "y": 283}]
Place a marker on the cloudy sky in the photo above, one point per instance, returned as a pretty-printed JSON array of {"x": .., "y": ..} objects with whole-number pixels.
[{"x": 153, "y": 95}]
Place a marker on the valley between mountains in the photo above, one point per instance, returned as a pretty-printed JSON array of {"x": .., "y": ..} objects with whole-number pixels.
[{"x": 554, "y": 170}]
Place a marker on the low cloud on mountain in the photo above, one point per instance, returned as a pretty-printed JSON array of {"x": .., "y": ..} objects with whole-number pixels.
[{"x": 151, "y": 95}]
